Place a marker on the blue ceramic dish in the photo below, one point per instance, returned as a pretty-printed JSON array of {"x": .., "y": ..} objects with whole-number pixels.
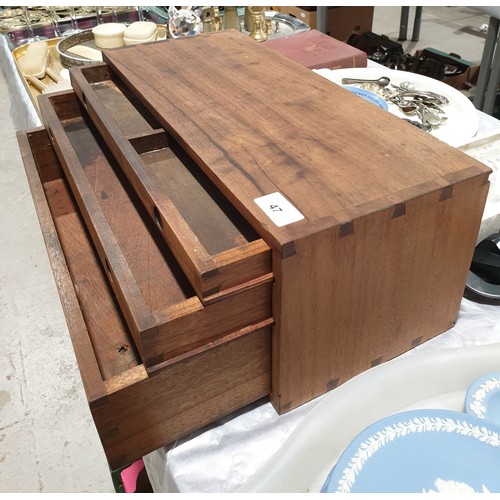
[
  {"x": 421, "y": 451},
  {"x": 483, "y": 397},
  {"x": 369, "y": 96}
]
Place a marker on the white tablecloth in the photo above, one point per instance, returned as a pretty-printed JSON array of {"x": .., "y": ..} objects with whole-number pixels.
[
  {"x": 22, "y": 110},
  {"x": 223, "y": 457}
]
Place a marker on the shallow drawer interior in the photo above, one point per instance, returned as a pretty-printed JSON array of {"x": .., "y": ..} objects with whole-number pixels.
[
  {"x": 112, "y": 343},
  {"x": 160, "y": 279},
  {"x": 192, "y": 194},
  {"x": 214, "y": 244}
]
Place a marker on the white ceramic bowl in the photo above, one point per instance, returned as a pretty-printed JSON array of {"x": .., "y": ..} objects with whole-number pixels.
[
  {"x": 132, "y": 41},
  {"x": 109, "y": 35},
  {"x": 140, "y": 32}
]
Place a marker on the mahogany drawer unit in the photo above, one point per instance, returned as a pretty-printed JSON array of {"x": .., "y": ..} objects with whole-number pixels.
[
  {"x": 161, "y": 308},
  {"x": 134, "y": 413}
]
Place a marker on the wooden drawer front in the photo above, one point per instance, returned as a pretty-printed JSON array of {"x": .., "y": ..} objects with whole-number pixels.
[
  {"x": 163, "y": 312},
  {"x": 217, "y": 249},
  {"x": 134, "y": 414}
]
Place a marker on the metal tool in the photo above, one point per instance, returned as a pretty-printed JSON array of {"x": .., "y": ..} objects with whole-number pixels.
[{"x": 383, "y": 81}]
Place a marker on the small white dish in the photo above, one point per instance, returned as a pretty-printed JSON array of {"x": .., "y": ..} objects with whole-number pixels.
[
  {"x": 483, "y": 397},
  {"x": 109, "y": 35},
  {"x": 140, "y": 32}
]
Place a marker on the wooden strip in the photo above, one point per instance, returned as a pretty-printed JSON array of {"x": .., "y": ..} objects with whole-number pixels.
[
  {"x": 207, "y": 345},
  {"x": 113, "y": 347},
  {"x": 144, "y": 143},
  {"x": 187, "y": 327}
]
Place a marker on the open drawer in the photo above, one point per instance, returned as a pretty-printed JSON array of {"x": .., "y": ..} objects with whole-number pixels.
[
  {"x": 134, "y": 414},
  {"x": 215, "y": 246},
  {"x": 161, "y": 309}
]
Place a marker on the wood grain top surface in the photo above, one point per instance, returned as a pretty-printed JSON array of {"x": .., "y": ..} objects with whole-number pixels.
[{"x": 258, "y": 123}]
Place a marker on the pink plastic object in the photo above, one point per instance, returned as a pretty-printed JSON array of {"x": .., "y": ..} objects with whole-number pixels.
[{"x": 130, "y": 474}]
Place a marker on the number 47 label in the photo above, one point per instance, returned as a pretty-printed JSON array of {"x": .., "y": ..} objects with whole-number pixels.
[{"x": 278, "y": 209}]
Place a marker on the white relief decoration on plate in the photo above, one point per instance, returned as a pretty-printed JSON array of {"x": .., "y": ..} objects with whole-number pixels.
[
  {"x": 448, "y": 486},
  {"x": 476, "y": 405},
  {"x": 415, "y": 425}
]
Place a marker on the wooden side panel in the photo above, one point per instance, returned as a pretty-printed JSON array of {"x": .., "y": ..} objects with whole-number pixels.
[
  {"x": 353, "y": 297},
  {"x": 91, "y": 376},
  {"x": 138, "y": 419}
]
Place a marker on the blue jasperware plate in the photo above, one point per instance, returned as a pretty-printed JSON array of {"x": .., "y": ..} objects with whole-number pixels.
[
  {"x": 421, "y": 451},
  {"x": 483, "y": 397},
  {"x": 369, "y": 96}
]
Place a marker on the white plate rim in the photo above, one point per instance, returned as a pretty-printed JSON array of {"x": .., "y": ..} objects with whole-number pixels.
[{"x": 463, "y": 121}]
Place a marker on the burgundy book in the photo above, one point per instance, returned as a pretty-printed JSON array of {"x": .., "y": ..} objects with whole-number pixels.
[{"x": 315, "y": 50}]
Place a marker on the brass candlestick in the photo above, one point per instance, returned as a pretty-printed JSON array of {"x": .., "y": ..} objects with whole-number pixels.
[
  {"x": 269, "y": 26},
  {"x": 216, "y": 20},
  {"x": 257, "y": 33}
]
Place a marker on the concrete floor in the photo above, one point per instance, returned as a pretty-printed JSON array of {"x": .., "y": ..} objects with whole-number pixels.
[
  {"x": 48, "y": 442},
  {"x": 448, "y": 29}
]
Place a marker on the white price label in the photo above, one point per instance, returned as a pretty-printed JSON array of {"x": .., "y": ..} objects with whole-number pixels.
[{"x": 278, "y": 209}]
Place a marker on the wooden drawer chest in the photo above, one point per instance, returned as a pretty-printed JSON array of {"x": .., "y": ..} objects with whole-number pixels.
[
  {"x": 224, "y": 225},
  {"x": 134, "y": 413}
]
